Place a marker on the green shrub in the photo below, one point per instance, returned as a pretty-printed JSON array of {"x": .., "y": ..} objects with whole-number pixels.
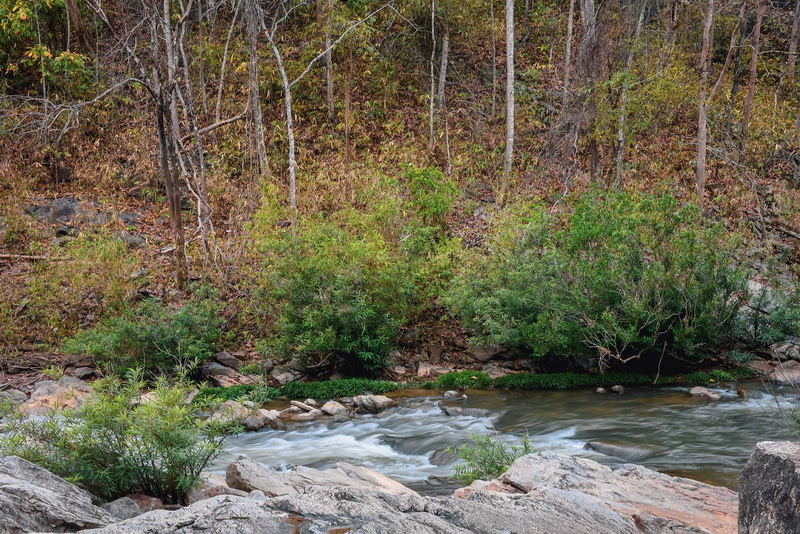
[
  {"x": 431, "y": 194},
  {"x": 620, "y": 276},
  {"x": 332, "y": 389},
  {"x": 338, "y": 295},
  {"x": 117, "y": 445},
  {"x": 262, "y": 393},
  {"x": 154, "y": 337},
  {"x": 464, "y": 379},
  {"x": 488, "y": 458}
]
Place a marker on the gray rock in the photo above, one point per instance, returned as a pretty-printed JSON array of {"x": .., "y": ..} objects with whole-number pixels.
[
  {"x": 14, "y": 396},
  {"x": 450, "y": 394},
  {"x": 302, "y": 405},
  {"x": 484, "y": 354},
  {"x": 67, "y": 231},
  {"x": 84, "y": 372},
  {"x": 34, "y": 500},
  {"x": 247, "y": 475},
  {"x": 46, "y": 395},
  {"x": 656, "y": 502},
  {"x": 61, "y": 210},
  {"x": 217, "y": 369},
  {"x": 372, "y": 403},
  {"x": 704, "y": 393},
  {"x": 786, "y": 373},
  {"x": 769, "y": 489},
  {"x": 227, "y": 359},
  {"x": 123, "y": 508},
  {"x": 284, "y": 376},
  {"x": 618, "y": 389}
]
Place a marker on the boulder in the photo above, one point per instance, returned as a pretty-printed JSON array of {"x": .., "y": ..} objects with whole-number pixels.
[
  {"x": 786, "y": 373},
  {"x": 84, "y": 372},
  {"x": 618, "y": 389},
  {"x": 231, "y": 410},
  {"x": 302, "y": 405},
  {"x": 494, "y": 370},
  {"x": 704, "y": 393},
  {"x": 210, "y": 485},
  {"x": 428, "y": 370},
  {"x": 68, "y": 392},
  {"x": 247, "y": 475},
  {"x": 14, "y": 396},
  {"x": 334, "y": 408},
  {"x": 654, "y": 501},
  {"x": 484, "y": 354},
  {"x": 123, "y": 508},
  {"x": 34, "y": 500},
  {"x": 227, "y": 359},
  {"x": 769, "y": 489},
  {"x": 372, "y": 403},
  {"x": 283, "y": 375}
]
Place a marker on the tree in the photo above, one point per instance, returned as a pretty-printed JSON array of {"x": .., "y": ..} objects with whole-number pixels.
[
  {"x": 791, "y": 60},
  {"x": 751, "y": 85},
  {"x": 280, "y": 13},
  {"x": 702, "y": 116},
  {"x": 509, "y": 155}
]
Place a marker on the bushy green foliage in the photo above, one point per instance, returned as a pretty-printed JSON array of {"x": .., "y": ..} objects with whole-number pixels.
[
  {"x": 464, "y": 379},
  {"x": 621, "y": 275},
  {"x": 575, "y": 380},
  {"x": 153, "y": 336},
  {"x": 339, "y": 295},
  {"x": 117, "y": 444},
  {"x": 332, "y": 389},
  {"x": 262, "y": 393},
  {"x": 431, "y": 194},
  {"x": 488, "y": 458}
]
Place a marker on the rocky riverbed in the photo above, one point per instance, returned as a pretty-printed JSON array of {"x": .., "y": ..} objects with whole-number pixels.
[{"x": 543, "y": 492}]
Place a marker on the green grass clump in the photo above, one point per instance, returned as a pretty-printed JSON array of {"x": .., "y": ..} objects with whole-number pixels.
[
  {"x": 332, "y": 389},
  {"x": 703, "y": 378},
  {"x": 464, "y": 379},
  {"x": 575, "y": 380},
  {"x": 223, "y": 394}
]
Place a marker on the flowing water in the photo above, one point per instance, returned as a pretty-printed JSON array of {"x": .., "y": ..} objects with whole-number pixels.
[{"x": 661, "y": 428}]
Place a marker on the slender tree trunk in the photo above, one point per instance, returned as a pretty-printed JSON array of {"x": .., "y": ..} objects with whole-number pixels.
[
  {"x": 624, "y": 100},
  {"x": 287, "y": 101},
  {"x": 568, "y": 55},
  {"x": 431, "y": 138},
  {"x": 169, "y": 174},
  {"x": 737, "y": 78},
  {"x": 223, "y": 67},
  {"x": 329, "y": 63},
  {"x": 444, "y": 59},
  {"x": 202, "y": 57},
  {"x": 494, "y": 61},
  {"x": 509, "y": 156},
  {"x": 347, "y": 104},
  {"x": 702, "y": 124},
  {"x": 751, "y": 85},
  {"x": 731, "y": 48},
  {"x": 253, "y": 16},
  {"x": 792, "y": 58}
]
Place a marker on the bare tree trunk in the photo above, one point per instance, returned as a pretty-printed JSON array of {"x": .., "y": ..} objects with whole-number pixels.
[
  {"x": 731, "y": 48},
  {"x": 702, "y": 122},
  {"x": 223, "y": 67},
  {"x": 624, "y": 100},
  {"x": 494, "y": 61},
  {"x": 347, "y": 155},
  {"x": 568, "y": 55},
  {"x": 431, "y": 138},
  {"x": 792, "y": 58},
  {"x": 444, "y": 59},
  {"x": 751, "y": 86},
  {"x": 253, "y": 16},
  {"x": 287, "y": 101},
  {"x": 329, "y": 63},
  {"x": 169, "y": 174},
  {"x": 202, "y": 57},
  {"x": 737, "y": 77},
  {"x": 509, "y": 156}
]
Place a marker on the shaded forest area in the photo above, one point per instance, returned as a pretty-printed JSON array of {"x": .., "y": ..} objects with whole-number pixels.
[{"x": 336, "y": 180}]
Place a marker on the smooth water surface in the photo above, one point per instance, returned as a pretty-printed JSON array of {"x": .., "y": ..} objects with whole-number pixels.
[{"x": 661, "y": 428}]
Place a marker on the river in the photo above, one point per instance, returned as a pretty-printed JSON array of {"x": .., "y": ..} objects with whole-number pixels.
[{"x": 664, "y": 428}]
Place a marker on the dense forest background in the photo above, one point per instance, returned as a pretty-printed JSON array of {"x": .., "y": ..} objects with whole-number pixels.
[{"x": 339, "y": 179}]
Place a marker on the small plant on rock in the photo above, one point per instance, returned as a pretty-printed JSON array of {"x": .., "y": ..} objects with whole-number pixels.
[{"x": 488, "y": 458}]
